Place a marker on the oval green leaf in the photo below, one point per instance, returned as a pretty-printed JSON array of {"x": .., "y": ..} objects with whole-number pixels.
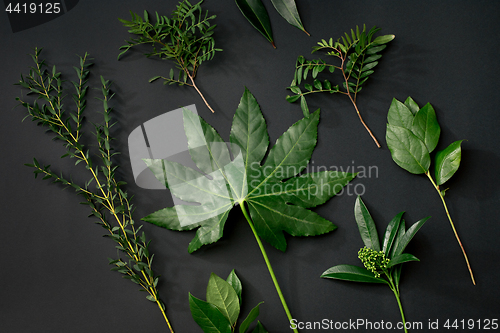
[
  {"x": 399, "y": 115},
  {"x": 448, "y": 162},
  {"x": 408, "y": 151},
  {"x": 208, "y": 316},
  {"x": 426, "y": 127},
  {"x": 288, "y": 10},
  {"x": 222, "y": 295}
]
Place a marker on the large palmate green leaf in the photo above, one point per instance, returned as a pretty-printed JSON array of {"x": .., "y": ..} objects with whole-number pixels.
[{"x": 278, "y": 197}]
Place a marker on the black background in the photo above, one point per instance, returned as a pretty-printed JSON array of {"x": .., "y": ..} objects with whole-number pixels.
[{"x": 54, "y": 275}]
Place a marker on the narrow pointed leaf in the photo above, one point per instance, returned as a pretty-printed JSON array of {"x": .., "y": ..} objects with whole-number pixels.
[
  {"x": 402, "y": 258},
  {"x": 366, "y": 225},
  {"x": 390, "y": 233},
  {"x": 426, "y": 127},
  {"x": 408, "y": 151},
  {"x": 408, "y": 235},
  {"x": 254, "y": 313},
  {"x": 208, "y": 316},
  {"x": 288, "y": 10},
  {"x": 448, "y": 162},
  {"x": 255, "y": 12},
  {"x": 351, "y": 273}
]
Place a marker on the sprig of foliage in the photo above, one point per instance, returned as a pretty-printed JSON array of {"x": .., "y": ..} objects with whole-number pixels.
[
  {"x": 377, "y": 259},
  {"x": 277, "y": 199},
  {"x": 220, "y": 312},
  {"x": 255, "y": 12},
  {"x": 412, "y": 134},
  {"x": 103, "y": 192},
  {"x": 358, "y": 52},
  {"x": 185, "y": 38}
]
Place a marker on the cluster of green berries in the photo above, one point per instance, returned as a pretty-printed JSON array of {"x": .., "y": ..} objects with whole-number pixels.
[{"x": 373, "y": 260}]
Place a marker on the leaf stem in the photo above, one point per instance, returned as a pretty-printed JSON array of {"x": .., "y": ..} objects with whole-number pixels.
[
  {"x": 268, "y": 263},
  {"x": 395, "y": 290},
  {"x": 452, "y": 226},
  {"x": 356, "y": 107}
]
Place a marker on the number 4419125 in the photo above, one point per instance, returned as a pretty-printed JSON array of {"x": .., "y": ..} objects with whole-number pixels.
[
  {"x": 33, "y": 8},
  {"x": 479, "y": 324}
]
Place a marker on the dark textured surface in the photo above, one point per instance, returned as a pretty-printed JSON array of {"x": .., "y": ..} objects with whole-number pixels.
[{"x": 54, "y": 275}]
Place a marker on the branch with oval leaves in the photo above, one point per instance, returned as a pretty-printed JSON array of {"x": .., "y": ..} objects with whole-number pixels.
[
  {"x": 378, "y": 259},
  {"x": 274, "y": 196},
  {"x": 358, "y": 52},
  {"x": 412, "y": 134},
  {"x": 255, "y": 12},
  {"x": 221, "y": 310}
]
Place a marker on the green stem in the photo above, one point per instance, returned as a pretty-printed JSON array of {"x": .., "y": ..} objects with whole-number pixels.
[
  {"x": 396, "y": 293},
  {"x": 268, "y": 263},
  {"x": 452, "y": 226},
  {"x": 395, "y": 290}
]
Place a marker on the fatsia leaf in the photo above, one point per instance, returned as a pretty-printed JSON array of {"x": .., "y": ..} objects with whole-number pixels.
[
  {"x": 277, "y": 197},
  {"x": 366, "y": 225},
  {"x": 255, "y": 12},
  {"x": 224, "y": 297},
  {"x": 408, "y": 151},
  {"x": 448, "y": 162},
  {"x": 351, "y": 273},
  {"x": 426, "y": 127},
  {"x": 208, "y": 316},
  {"x": 288, "y": 10},
  {"x": 402, "y": 258},
  {"x": 254, "y": 313}
]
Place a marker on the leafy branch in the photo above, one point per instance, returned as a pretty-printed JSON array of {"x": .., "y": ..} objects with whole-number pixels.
[
  {"x": 358, "y": 53},
  {"x": 377, "y": 259},
  {"x": 412, "y": 134},
  {"x": 103, "y": 192},
  {"x": 185, "y": 38}
]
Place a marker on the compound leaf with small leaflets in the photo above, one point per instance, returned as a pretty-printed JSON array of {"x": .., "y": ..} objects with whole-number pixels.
[
  {"x": 278, "y": 197},
  {"x": 357, "y": 54}
]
